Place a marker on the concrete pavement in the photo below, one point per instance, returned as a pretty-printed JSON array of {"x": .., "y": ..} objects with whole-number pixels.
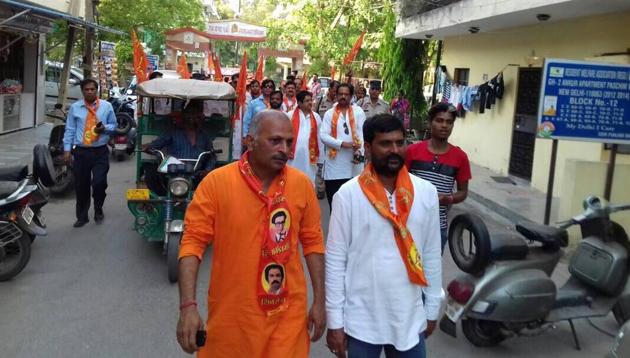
[
  {"x": 101, "y": 291},
  {"x": 17, "y": 147}
]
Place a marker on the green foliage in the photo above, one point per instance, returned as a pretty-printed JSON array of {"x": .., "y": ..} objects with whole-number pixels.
[
  {"x": 329, "y": 28},
  {"x": 404, "y": 62},
  {"x": 151, "y": 16}
]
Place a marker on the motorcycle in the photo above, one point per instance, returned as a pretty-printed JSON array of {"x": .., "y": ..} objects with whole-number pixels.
[
  {"x": 507, "y": 290},
  {"x": 123, "y": 143},
  {"x": 63, "y": 178},
  {"x": 22, "y": 197}
]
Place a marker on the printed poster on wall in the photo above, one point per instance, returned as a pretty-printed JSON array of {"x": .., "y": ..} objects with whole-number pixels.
[{"x": 585, "y": 101}]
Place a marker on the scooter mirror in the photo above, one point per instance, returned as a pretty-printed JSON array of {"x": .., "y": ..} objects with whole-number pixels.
[
  {"x": 592, "y": 202},
  {"x": 58, "y": 105}
]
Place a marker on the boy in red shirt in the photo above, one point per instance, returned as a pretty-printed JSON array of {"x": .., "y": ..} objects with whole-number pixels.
[{"x": 441, "y": 163}]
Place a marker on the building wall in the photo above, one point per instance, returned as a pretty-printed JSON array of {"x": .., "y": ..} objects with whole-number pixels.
[
  {"x": 576, "y": 186},
  {"x": 487, "y": 138},
  {"x": 72, "y": 7}
]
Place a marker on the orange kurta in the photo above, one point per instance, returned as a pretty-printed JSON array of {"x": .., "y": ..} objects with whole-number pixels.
[{"x": 226, "y": 214}]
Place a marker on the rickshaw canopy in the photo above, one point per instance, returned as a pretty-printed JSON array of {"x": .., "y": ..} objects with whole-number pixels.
[{"x": 186, "y": 89}]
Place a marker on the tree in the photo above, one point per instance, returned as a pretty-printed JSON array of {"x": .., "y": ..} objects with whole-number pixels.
[
  {"x": 404, "y": 62},
  {"x": 150, "y": 18}
]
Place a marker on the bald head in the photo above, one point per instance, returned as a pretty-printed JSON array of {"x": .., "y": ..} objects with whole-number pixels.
[
  {"x": 264, "y": 116},
  {"x": 271, "y": 139}
]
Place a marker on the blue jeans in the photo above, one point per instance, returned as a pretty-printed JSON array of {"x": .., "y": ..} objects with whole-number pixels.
[
  {"x": 444, "y": 233},
  {"x": 360, "y": 349}
]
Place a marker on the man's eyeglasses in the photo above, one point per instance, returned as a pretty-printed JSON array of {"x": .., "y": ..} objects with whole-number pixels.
[{"x": 345, "y": 128}]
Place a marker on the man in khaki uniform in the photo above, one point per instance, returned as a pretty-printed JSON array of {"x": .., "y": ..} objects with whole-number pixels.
[
  {"x": 327, "y": 102},
  {"x": 373, "y": 105}
]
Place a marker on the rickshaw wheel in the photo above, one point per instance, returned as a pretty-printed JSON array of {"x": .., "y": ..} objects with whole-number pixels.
[{"x": 172, "y": 256}]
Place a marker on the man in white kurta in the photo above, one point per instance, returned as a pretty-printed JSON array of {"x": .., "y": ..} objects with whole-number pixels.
[
  {"x": 343, "y": 143},
  {"x": 302, "y": 157},
  {"x": 371, "y": 302}
]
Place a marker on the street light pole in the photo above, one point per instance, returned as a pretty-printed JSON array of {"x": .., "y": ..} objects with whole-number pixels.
[{"x": 88, "y": 52}]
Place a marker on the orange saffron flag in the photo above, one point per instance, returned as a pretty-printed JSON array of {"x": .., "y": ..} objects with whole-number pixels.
[
  {"x": 140, "y": 62},
  {"x": 304, "y": 86},
  {"x": 260, "y": 69},
  {"x": 210, "y": 62},
  {"x": 218, "y": 76},
  {"x": 241, "y": 88},
  {"x": 182, "y": 67},
  {"x": 355, "y": 50},
  {"x": 332, "y": 72}
]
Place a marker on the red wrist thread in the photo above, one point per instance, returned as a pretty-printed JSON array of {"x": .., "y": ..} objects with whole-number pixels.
[{"x": 187, "y": 304}]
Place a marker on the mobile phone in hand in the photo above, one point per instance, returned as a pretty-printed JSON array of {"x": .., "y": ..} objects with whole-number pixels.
[{"x": 200, "y": 339}]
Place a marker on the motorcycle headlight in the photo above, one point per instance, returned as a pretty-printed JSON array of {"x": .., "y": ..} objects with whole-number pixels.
[{"x": 179, "y": 187}]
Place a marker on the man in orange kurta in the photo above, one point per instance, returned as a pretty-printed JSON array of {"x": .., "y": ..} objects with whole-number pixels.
[{"x": 227, "y": 214}]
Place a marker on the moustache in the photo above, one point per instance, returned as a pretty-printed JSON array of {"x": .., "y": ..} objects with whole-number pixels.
[
  {"x": 394, "y": 156},
  {"x": 276, "y": 281},
  {"x": 281, "y": 156}
]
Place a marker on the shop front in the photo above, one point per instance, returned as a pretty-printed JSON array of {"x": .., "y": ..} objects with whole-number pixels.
[
  {"x": 22, "y": 44},
  {"x": 23, "y": 29}
]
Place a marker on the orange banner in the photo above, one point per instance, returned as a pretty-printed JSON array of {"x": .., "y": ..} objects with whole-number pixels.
[
  {"x": 140, "y": 62},
  {"x": 260, "y": 69},
  {"x": 355, "y": 50},
  {"x": 332, "y": 72},
  {"x": 182, "y": 67}
]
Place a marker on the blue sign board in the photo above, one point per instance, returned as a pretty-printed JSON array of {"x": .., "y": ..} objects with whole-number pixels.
[
  {"x": 154, "y": 61},
  {"x": 585, "y": 101}
]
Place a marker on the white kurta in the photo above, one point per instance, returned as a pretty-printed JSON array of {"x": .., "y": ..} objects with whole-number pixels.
[
  {"x": 341, "y": 167},
  {"x": 368, "y": 291},
  {"x": 301, "y": 159}
]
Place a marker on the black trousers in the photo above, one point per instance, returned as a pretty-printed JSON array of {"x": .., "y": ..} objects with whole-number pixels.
[
  {"x": 90, "y": 175},
  {"x": 332, "y": 186}
]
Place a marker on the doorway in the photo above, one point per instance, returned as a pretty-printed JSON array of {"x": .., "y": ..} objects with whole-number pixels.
[{"x": 525, "y": 122}]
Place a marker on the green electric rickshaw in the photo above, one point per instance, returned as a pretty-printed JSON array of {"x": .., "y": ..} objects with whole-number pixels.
[{"x": 165, "y": 184}]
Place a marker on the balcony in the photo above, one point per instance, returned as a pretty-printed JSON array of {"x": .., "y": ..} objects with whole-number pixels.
[
  {"x": 409, "y": 8},
  {"x": 470, "y": 16}
]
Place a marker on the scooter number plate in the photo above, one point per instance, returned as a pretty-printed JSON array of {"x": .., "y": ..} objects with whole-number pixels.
[
  {"x": 27, "y": 215},
  {"x": 453, "y": 309},
  {"x": 120, "y": 146}
]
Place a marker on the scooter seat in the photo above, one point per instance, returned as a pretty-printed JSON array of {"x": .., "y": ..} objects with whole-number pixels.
[
  {"x": 13, "y": 173},
  {"x": 508, "y": 247},
  {"x": 551, "y": 237},
  {"x": 7, "y": 188}
]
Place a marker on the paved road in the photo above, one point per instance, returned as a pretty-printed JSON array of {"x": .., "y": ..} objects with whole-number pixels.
[{"x": 101, "y": 291}]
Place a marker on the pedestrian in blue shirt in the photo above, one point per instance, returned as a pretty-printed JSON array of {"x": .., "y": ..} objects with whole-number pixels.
[
  {"x": 88, "y": 125},
  {"x": 258, "y": 104}
]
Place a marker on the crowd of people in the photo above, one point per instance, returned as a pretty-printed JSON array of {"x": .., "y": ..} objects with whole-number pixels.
[{"x": 376, "y": 279}]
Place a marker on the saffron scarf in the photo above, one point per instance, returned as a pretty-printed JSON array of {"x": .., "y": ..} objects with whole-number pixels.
[
  {"x": 89, "y": 135},
  {"x": 275, "y": 234},
  {"x": 313, "y": 147},
  {"x": 288, "y": 107},
  {"x": 332, "y": 153},
  {"x": 375, "y": 193}
]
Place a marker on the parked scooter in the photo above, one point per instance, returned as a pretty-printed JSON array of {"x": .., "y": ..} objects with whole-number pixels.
[
  {"x": 124, "y": 142},
  {"x": 63, "y": 179},
  {"x": 508, "y": 290},
  {"x": 621, "y": 345},
  {"x": 22, "y": 197}
]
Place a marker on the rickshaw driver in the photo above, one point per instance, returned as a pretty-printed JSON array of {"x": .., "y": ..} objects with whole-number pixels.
[{"x": 188, "y": 140}]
